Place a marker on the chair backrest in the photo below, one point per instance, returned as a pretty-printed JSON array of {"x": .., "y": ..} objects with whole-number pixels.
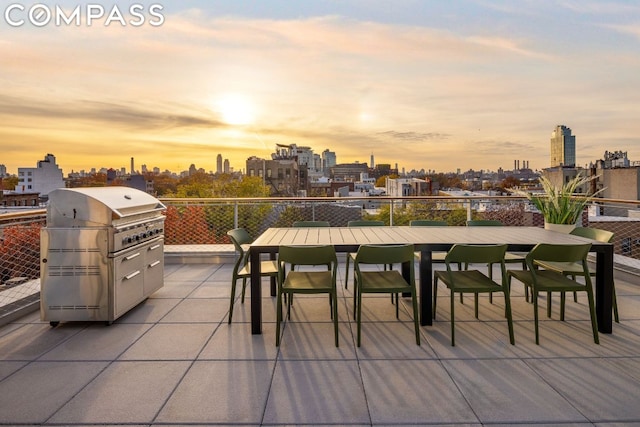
[
  {"x": 485, "y": 254},
  {"x": 311, "y": 224},
  {"x": 385, "y": 254},
  {"x": 593, "y": 233},
  {"x": 239, "y": 237},
  {"x": 308, "y": 255},
  {"x": 486, "y": 222},
  {"x": 559, "y": 253},
  {"x": 427, "y": 223},
  {"x": 364, "y": 223}
]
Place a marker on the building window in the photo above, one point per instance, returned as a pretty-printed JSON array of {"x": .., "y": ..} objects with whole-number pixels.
[
  {"x": 269, "y": 172},
  {"x": 260, "y": 173},
  {"x": 626, "y": 246},
  {"x": 288, "y": 173}
]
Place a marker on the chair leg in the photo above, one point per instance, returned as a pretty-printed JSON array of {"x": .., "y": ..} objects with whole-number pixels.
[
  {"x": 592, "y": 312},
  {"x": 278, "y": 318},
  {"x": 244, "y": 288},
  {"x": 490, "y": 271},
  {"x": 507, "y": 312},
  {"x": 534, "y": 296},
  {"x": 435, "y": 296},
  {"x": 475, "y": 304},
  {"x": 615, "y": 306},
  {"x": 334, "y": 314},
  {"x": 346, "y": 272},
  {"x": 414, "y": 302},
  {"x": 359, "y": 314},
  {"x": 453, "y": 329},
  {"x": 233, "y": 297}
]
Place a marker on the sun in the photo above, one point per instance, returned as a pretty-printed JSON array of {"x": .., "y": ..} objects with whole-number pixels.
[{"x": 236, "y": 109}]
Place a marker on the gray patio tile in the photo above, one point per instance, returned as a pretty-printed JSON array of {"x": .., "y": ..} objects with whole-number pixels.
[
  {"x": 474, "y": 339},
  {"x": 125, "y": 392},
  {"x": 8, "y": 368},
  {"x": 198, "y": 310},
  {"x": 510, "y": 391},
  {"x": 601, "y": 390},
  {"x": 97, "y": 342},
  {"x": 557, "y": 339},
  {"x": 37, "y": 391},
  {"x": 242, "y": 312},
  {"x": 220, "y": 392},
  {"x": 192, "y": 272},
  {"x": 236, "y": 342},
  {"x": 170, "y": 342},
  {"x": 316, "y": 392},
  {"x": 149, "y": 311},
  {"x": 413, "y": 391},
  {"x": 217, "y": 290},
  {"x": 175, "y": 290},
  {"x": 392, "y": 340},
  {"x": 315, "y": 341},
  {"x": 33, "y": 340}
]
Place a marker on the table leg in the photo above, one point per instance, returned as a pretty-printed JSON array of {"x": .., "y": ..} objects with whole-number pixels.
[
  {"x": 604, "y": 289},
  {"x": 426, "y": 288},
  {"x": 256, "y": 293}
]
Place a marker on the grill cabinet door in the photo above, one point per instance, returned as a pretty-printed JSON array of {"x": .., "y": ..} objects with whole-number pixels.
[
  {"x": 74, "y": 274},
  {"x": 128, "y": 273},
  {"x": 154, "y": 274}
]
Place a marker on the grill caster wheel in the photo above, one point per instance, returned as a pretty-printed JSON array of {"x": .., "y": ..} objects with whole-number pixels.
[
  {"x": 107, "y": 323},
  {"x": 54, "y": 324}
]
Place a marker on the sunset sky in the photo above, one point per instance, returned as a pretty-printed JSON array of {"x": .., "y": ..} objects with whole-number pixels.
[{"x": 430, "y": 84}]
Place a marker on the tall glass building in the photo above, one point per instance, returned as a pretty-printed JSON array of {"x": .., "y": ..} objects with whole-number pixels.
[{"x": 563, "y": 147}]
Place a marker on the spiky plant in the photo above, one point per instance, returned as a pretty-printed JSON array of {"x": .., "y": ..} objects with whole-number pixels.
[{"x": 561, "y": 205}]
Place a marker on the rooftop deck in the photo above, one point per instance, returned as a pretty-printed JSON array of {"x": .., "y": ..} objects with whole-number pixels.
[{"x": 174, "y": 360}]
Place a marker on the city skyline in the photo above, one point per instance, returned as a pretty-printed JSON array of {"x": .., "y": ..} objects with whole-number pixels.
[{"x": 424, "y": 85}]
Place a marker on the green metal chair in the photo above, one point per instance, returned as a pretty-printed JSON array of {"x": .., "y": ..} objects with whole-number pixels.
[
  {"x": 385, "y": 281},
  {"x": 311, "y": 224},
  {"x": 242, "y": 268},
  {"x": 509, "y": 257},
  {"x": 305, "y": 280},
  {"x": 541, "y": 280},
  {"x": 574, "y": 269},
  {"x": 352, "y": 255},
  {"x": 473, "y": 281}
]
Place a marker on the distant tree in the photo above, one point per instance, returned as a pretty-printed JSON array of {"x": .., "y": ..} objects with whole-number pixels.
[
  {"x": 510, "y": 182},
  {"x": 163, "y": 184},
  {"x": 196, "y": 185},
  {"x": 447, "y": 180},
  {"x": 9, "y": 183},
  {"x": 93, "y": 180},
  {"x": 382, "y": 181}
]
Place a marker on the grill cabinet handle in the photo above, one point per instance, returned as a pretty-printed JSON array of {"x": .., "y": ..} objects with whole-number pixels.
[
  {"x": 153, "y": 264},
  {"x": 154, "y": 247},
  {"x": 132, "y": 275},
  {"x": 130, "y": 257}
]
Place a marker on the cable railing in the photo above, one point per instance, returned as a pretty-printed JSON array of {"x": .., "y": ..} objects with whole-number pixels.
[{"x": 206, "y": 222}]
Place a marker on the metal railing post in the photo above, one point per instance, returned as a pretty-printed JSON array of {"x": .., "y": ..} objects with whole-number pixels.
[
  {"x": 235, "y": 215},
  {"x": 391, "y": 213}
]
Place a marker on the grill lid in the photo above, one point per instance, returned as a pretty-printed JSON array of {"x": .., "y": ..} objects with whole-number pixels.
[{"x": 98, "y": 206}]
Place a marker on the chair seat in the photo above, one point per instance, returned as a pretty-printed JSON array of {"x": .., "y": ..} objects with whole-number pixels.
[
  {"x": 548, "y": 281},
  {"x": 267, "y": 268},
  {"x": 468, "y": 281},
  {"x": 514, "y": 257},
  {"x": 384, "y": 281},
  {"x": 564, "y": 267},
  {"x": 308, "y": 282},
  {"x": 435, "y": 256}
]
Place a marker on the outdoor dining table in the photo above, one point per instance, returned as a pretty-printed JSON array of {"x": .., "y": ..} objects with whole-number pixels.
[{"x": 428, "y": 240}]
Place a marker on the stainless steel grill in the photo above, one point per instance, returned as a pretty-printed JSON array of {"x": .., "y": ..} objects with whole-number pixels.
[{"x": 102, "y": 253}]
